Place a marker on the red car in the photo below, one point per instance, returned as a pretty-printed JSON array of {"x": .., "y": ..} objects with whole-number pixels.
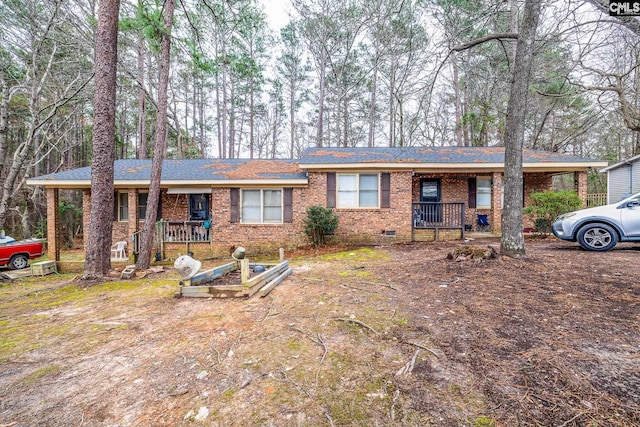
[{"x": 16, "y": 254}]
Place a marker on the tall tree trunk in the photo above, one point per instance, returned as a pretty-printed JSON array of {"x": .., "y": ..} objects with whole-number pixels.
[
  {"x": 372, "y": 107},
  {"x": 141, "y": 152},
  {"x": 321, "y": 95},
  {"x": 458, "y": 102},
  {"x": 252, "y": 118},
  {"x": 512, "y": 241},
  {"x": 4, "y": 118},
  {"x": 160, "y": 148},
  {"x": 219, "y": 120},
  {"x": 225, "y": 110},
  {"x": 98, "y": 236},
  {"x": 292, "y": 119}
]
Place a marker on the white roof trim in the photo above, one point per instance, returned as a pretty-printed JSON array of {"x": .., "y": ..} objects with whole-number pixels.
[
  {"x": 622, "y": 163},
  {"x": 202, "y": 186},
  {"x": 541, "y": 166}
]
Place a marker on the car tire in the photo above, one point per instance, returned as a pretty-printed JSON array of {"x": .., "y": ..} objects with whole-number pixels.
[
  {"x": 18, "y": 262},
  {"x": 597, "y": 237}
]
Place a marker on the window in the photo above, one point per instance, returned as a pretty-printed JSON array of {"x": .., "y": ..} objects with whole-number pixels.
[
  {"x": 123, "y": 206},
  {"x": 261, "y": 206},
  {"x": 142, "y": 205},
  {"x": 483, "y": 192},
  {"x": 358, "y": 191}
]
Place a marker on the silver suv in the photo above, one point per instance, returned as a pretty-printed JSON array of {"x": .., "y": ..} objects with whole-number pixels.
[{"x": 601, "y": 228}]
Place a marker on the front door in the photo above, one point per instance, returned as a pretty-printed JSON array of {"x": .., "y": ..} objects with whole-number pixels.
[
  {"x": 198, "y": 207},
  {"x": 430, "y": 209}
]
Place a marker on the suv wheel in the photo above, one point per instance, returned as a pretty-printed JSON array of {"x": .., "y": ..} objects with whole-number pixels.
[{"x": 597, "y": 237}]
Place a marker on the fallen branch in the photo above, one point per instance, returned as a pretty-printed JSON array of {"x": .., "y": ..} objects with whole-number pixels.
[
  {"x": 357, "y": 322},
  {"x": 393, "y": 405},
  {"x": 422, "y": 347},
  {"x": 386, "y": 285},
  {"x": 408, "y": 367}
]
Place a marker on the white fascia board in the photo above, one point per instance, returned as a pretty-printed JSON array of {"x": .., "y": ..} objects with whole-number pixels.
[
  {"x": 443, "y": 167},
  {"x": 399, "y": 166},
  {"x": 622, "y": 163},
  {"x": 59, "y": 183},
  {"x": 181, "y": 183},
  {"x": 237, "y": 183}
]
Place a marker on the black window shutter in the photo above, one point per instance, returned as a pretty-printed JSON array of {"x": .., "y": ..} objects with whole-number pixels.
[
  {"x": 234, "y": 198},
  {"x": 331, "y": 189},
  {"x": 287, "y": 200},
  {"x": 116, "y": 204},
  {"x": 385, "y": 186},
  {"x": 159, "y": 211},
  {"x": 472, "y": 192}
]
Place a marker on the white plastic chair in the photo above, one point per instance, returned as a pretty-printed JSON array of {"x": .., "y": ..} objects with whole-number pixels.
[{"x": 118, "y": 250}]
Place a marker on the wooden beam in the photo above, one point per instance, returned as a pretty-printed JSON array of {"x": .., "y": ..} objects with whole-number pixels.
[
  {"x": 275, "y": 282},
  {"x": 210, "y": 275}
]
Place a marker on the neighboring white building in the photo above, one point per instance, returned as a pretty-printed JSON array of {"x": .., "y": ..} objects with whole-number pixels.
[{"x": 623, "y": 179}]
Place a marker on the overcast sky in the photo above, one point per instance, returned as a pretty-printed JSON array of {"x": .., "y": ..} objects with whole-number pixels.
[{"x": 276, "y": 11}]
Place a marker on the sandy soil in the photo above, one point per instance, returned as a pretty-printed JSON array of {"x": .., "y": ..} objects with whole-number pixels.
[{"x": 399, "y": 335}]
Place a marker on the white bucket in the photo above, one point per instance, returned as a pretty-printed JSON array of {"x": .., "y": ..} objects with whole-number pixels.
[{"x": 187, "y": 266}]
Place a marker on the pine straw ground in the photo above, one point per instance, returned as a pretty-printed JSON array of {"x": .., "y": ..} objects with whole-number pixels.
[{"x": 401, "y": 335}]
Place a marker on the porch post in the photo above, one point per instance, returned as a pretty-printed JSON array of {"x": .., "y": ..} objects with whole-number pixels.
[
  {"x": 496, "y": 202},
  {"x": 53, "y": 225},
  {"x": 133, "y": 222},
  {"x": 86, "y": 213},
  {"x": 580, "y": 185}
]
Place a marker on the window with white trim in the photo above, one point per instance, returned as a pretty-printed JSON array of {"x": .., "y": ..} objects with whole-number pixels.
[
  {"x": 123, "y": 206},
  {"x": 261, "y": 206},
  {"x": 483, "y": 192},
  {"x": 358, "y": 190}
]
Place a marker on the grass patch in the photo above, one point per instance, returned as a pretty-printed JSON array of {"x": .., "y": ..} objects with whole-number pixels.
[
  {"x": 357, "y": 255},
  {"x": 36, "y": 375}
]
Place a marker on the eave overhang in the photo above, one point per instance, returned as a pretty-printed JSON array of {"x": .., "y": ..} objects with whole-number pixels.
[
  {"x": 122, "y": 184},
  {"x": 452, "y": 167}
]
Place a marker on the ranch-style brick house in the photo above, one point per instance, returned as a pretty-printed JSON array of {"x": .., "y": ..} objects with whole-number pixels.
[{"x": 379, "y": 194}]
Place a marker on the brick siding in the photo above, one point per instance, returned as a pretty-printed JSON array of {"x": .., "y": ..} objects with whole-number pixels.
[{"x": 360, "y": 226}]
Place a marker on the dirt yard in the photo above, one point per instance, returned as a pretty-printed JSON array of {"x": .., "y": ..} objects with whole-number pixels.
[{"x": 387, "y": 336}]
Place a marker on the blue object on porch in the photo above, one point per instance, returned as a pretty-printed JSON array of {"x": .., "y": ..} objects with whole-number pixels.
[{"x": 483, "y": 223}]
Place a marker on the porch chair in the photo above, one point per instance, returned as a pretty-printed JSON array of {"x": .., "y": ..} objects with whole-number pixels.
[
  {"x": 118, "y": 251},
  {"x": 483, "y": 223}
]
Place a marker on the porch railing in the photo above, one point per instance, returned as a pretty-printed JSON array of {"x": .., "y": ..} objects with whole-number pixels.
[
  {"x": 437, "y": 216},
  {"x": 182, "y": 231},
  {"x": 596, "y": 199}
]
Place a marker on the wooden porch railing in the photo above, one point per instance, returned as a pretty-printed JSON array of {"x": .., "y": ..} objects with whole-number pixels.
[
  {"x": 596, "y": 199},
  {"x": 182, "y": 231},
  {"x": 438, "y": 216}
]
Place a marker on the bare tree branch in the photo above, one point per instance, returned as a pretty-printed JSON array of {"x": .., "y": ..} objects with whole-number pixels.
[{"x": 475, "y": 42}]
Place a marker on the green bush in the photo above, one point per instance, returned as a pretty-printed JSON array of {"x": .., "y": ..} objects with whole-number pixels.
[
  {"x": 320, "y": 221},
  {"x": 547, "y": 205}
]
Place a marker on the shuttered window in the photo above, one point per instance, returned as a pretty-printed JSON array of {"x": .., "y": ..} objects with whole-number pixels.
[
  {"x": 358, "y": 190},
  {"x": 261, "y": 206}
]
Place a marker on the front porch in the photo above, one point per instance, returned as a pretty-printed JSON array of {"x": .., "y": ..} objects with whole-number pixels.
[{"x": 433, "y": 221}]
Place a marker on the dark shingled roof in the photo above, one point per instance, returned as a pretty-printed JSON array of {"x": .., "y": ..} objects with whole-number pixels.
[
  {"x": 319, "y": 156},
  {"x": 207, "y": 170},
  {"x": 191, "y": 170}
]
